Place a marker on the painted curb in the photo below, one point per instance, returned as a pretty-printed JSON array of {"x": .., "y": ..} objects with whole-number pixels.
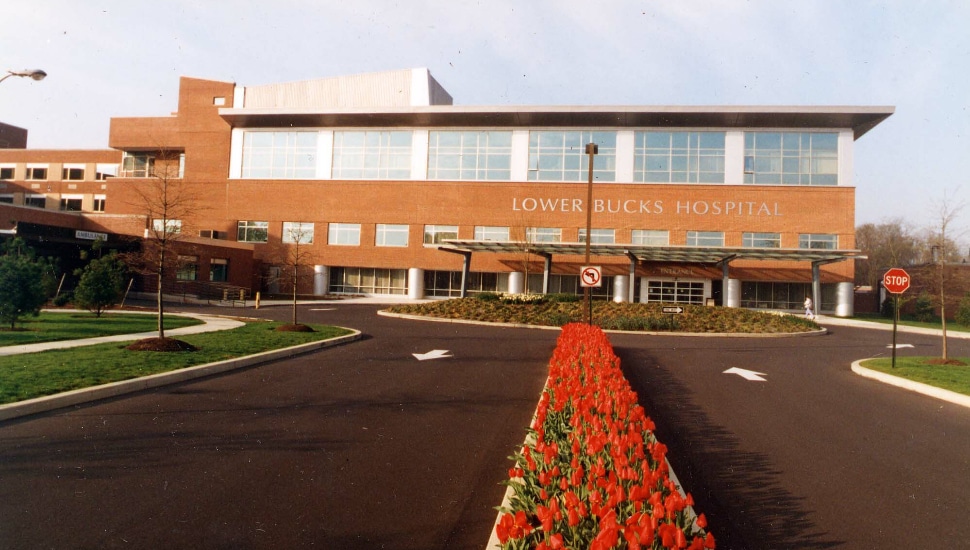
[
  {"x": 918, "y": 387},
  {"x": 85, "y": 395},
  {"x": 820, "y": 332}
]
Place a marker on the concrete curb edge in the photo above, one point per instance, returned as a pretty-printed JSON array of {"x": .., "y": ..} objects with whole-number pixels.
[
  {"x": 918, "y": 387},
  {"x": 821, "y": 332},
  {"x": 47, "y": 403}
]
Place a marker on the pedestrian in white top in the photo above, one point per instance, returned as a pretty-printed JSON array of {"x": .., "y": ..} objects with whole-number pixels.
[{"x": 808, "y": 308}]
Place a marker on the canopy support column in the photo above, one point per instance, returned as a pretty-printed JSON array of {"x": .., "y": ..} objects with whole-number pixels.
[{"x": 465, "y": 267}]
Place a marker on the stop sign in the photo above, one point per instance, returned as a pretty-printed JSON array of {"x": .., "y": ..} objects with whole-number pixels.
[{"x": 896, "y": 280}]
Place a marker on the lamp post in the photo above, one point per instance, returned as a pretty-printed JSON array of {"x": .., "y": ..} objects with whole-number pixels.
[
  {"x": 33, "y": 74},
  {"x": 591, "y": 149}
]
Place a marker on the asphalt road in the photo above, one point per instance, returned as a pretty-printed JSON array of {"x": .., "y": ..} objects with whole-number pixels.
[
  {"x": 364, "y": 446},
  {"x": 815, "y": 456},
  {"x": 357, "y": 446}
]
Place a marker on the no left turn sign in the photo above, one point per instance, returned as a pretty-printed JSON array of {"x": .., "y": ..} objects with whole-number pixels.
[{"x": 591, "y": 276}]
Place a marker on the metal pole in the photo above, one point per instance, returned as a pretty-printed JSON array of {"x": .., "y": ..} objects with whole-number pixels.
[
  {"x": 895, "y": 319},
  {"x": 591, "y": 149}
]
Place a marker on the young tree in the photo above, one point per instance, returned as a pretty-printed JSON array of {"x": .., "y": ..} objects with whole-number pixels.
[
  {"x": 294, "y": 255},
  {"x": 944, "y": 214},
  {"x": 101, "y": 284},
  {"x": 25, "y": 282},
  {"x": 169, "y": 206}
]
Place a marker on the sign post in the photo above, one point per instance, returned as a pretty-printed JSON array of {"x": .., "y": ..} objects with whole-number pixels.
[{"x": 896, "y": 281}]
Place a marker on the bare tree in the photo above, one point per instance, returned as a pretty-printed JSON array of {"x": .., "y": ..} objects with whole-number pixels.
[
  {"x": 169, "y": 207},
  {"x": 944, "y": 214},
  {"x": 294, "y": 255},
  {"x": 891, "y": 243}
]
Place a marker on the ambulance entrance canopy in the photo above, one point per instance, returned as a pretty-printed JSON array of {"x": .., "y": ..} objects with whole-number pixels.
[{"x": 637, "y": 254}]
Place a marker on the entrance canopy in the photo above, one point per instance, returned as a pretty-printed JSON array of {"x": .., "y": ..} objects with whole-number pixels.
[
  {"x": 685, "y": 254},
  {"x": 643, "y": 253}
]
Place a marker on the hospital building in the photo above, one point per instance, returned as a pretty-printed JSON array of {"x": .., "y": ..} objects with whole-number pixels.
[{"x": 386, "y": 186}]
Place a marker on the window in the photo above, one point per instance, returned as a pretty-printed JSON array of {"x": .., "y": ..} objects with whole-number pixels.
[
  {"x": 818, "y": 241},
  {"x": 543, "y": 235},
  {"x": 6, "y": 172},
  {"x": 761, "y": 240},
  {"x": 72, "y": 173},
  {"x": 188, "y": 268},
  {"x": 791, "y": 158},
  {"x": 561, "y": 156},
  {"x": 105, "y": 171},
  {"x": 598, "y": 236},
  {"x": 280, "y": 155},
  {"x": 298, "y": 232},
  {"x": 369, "y": 280},
  {"x": 380, "y": 154},
  {"x": 676, "y": 292},
  {"x": 219, "y": 270},
  {"x": 219, "y": 101},
  {"x": 171, "y": 226},
  {"x": 137, "y": 165},
  {"x": 36, "y": 173},
  {"x": 344, "y": 234},
  {"x": 248, "y": 231},
  {"x": 771, "y": 295},
  {"x": 705, "y": 238},
  {"x": 650, "y": 237},
  {"x": 99, "y": 201},
  {"x": 70, "y": 203},
  {"x": 6, "y": 199},
  {"x": 469, "y": 155},
  {"x": 491, "y": 233},
  {"x": 448, "y": 283},
  {"x": 391, "y": 235},
  {"x": 36, "y": 201},
  {"x": 679, "y": 157},
  {"x": 436, "y": 234}
]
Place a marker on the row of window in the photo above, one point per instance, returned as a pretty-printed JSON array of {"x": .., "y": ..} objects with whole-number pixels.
[
  {"x": 348, "y": 234},
  {"x": 67, "y": 203},
  {"x": 68, "y": 173},
  {"x": 789, "y": 158}
]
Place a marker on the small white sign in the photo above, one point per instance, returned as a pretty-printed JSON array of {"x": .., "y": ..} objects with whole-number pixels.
[
  {"x": 591, "y": 276},
  {"x": 90, "y": 235}
]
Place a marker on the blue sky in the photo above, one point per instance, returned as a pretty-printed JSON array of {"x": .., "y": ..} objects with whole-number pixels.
[{"x": 111, "y": 58}]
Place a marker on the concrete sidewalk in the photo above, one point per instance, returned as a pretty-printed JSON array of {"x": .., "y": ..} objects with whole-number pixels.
[
  {"x": 838, "y": 321},
  {"x": 211, "y": 323}
]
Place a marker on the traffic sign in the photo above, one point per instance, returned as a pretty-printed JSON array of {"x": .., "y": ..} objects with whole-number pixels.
[
  {"x": 896, "y": 280},
  {"x": 591, "y": 276},
  {"x": 672, "y": 309}
]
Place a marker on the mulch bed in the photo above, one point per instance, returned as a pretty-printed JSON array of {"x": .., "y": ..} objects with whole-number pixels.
[
  {"x": 161, "y": 344},
  {"x": 294, "y": 328}
]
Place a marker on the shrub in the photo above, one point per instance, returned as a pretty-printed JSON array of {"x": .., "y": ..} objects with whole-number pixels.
[
  {"x": 487, "y": 296},
  {"x": 101, "y": 284},
  {"x": 563, "y": 297},
  {"x": 924, "y": 308},
  {"x": 522, "y": 298},
  {"x": 963, "y": 311},
  {"x": 62, "y": 299}
]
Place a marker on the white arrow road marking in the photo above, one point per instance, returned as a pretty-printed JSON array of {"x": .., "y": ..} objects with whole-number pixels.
[
  {"x": 890, "y": 346},
  {"x": 325, "y": 309},
  {"x": 433, "y": 354},
  {"x": 747, "y": 374}
]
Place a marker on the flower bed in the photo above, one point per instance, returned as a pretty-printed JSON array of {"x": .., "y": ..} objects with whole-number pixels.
[{"x": 592, "y": 474}]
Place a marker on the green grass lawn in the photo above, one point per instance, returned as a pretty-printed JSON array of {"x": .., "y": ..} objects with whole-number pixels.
[
  {"x": 53, "y": 326},
  {"x": 32, "y": 375},
  {"x": 876, "y": 318},
  {"x": 955, "y": 378}
]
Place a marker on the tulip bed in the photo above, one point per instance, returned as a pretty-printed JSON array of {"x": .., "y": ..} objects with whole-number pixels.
[{"x": 592, "y": 474}]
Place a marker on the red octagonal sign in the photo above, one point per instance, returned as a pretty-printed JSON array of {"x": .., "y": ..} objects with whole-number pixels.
[{"x": 896, "y": 280}]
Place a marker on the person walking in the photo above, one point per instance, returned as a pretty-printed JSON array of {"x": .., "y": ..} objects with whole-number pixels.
[{"x": 808, "y": 308}]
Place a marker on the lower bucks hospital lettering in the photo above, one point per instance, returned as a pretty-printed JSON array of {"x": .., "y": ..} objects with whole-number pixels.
[
  {"x": 384, "y": 186},
  {"x": 640, "y": 206}
]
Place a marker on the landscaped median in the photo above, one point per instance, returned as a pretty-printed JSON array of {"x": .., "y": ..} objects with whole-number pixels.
[
  {"x": 591, "y": 473},
  {"x": 949, "y": 380},
  {"x": 558, "y": 310},
  {"x": 37, "y": 382}
]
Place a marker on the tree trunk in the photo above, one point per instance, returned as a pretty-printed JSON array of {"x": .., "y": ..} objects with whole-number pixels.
[
  {"x": 295, "y": 282},
  {"x": 161, "y": 310}
]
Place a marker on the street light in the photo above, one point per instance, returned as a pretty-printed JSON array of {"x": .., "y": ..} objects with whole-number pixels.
[
  {"x": 591, "y": 149},
  {"x": 33, "y": 74}
]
